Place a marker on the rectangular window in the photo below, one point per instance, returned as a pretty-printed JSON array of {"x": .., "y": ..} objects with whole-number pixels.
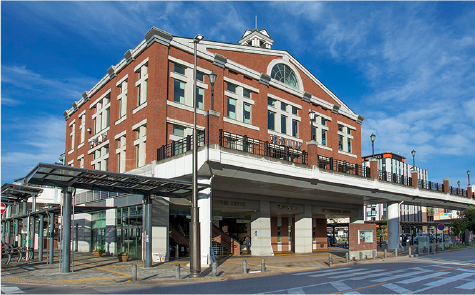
[
  {"x": 142, "y": 83},
  {"x": 348, "y": 130},
  {"x": 178, "y": 91},
  {"x": 283, "y": 106},
  {"x": 199, "y": 97},
  {"x": 314, "y": 133},
  {"x": 340, "y": 127},
  {"x": 200, "y": 77},
  {"x": 349, "y": 144},
  {"x": 294, "y": 111},
  {"x": 231, "y": 88},
  {"x": 246, "y": 113},
  {"x": 231, "y": 108},
  {"x": 324, "y": 122},
  {"x": 283, "y": 124},
  {"x": 270, "y": 120},
  {"x": 324, "y": 137},
  {"x": 179, "y": 69},
  {"x": 178, "y": 130},
  {"x": 271, "y": 102},
  {"x": 295, "y": 128},
  {"x": 137, "y": 156},
  {"x": 340, "y": 142},
  {"x": 246, "y": 93}
]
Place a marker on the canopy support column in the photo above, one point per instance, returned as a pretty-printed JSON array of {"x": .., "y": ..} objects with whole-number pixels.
[
  {"x": 148, "y": 230},
  {"x": 40, "y": 239},
  {"x": 66, "y": 234},
  {"x": 51, "y": 238}
]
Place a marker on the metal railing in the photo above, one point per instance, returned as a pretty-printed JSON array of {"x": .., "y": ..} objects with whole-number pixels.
[
  {"x": 394, "y": 178},
  {"x": 263, "y": 148},
  {"x": 90, "y": 196},
  {"x": 342, "y": 166},
  {"x": 179, "y": 146}
]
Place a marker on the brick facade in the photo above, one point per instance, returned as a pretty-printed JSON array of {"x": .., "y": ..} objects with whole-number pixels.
[{"x": 353, "y": 239}]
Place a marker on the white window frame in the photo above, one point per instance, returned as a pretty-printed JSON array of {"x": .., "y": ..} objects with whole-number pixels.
[
  {"x": 142, "y": 83},
  {"x": 345, "y": 135},
  {"x": 72, "y": 134},
  {"x": 141, "y": 143},
  {"x": 121, "y": 151},
  {"x": 317, "y": 123},
  {"x": 82, "y": 128},
  {"x": 188, "y": 129},
  {"x": 102, "y": 159},
  {"x": 122, "y": 98},
  {"x": 81, "y": 161},
  {"x": 277, "y": 110},
  {"x": 99, "y": 113},
  {"x": 240, "y": 101},
  {"x": 188, "y": 80}
]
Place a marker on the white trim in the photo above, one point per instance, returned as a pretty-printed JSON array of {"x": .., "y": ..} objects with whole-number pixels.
[
  {"x": 98, "y": 147},
  {"x": 81, "y": 156},
  {"x": 141, "y": 123},
  {"x": 235, "y": 122},
  {"x": 184, "y": 124},
  {"x": 226, "y": 79},
  {"x": 347, "y": 154},
  {"x": 174, "y": 137},
  {"x": 100, "y": 98},
  {"x": 140, "y": 64},
  {"x": 120, "y": 134},
  {"x": 99, "y": 134},
  {"x": 140, "y": 140},
  {"x": 323, "y": 115},
  {"x": 70, "y": 152},
  {"x": 139, "y": 107},
  {"x": 185, "y": 107},
  {"x": 184, "y": 63},
  {"x": 286, "y": 136},
  {"x": 346, "y": 125},
  {"x": 71, "y": 162},
  {"x": 120, "y": 120},
  {"x": 291, "y": 66},
  {"x": 321, "y": 146},
  {"x": 284, "y": 100},
  {"x": 81, "y": 145},
  {"x": 72, "y": 123},
  {"x": 122, "y": 80},
  {"x": 82, "y": 113}
]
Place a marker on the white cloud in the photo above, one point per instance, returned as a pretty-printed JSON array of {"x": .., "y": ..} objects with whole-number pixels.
[{"x": 10, "y": 102}]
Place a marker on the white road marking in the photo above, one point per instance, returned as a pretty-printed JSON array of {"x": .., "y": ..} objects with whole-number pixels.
[
  {"x": 298, "y": 290},
  {"x": 320, "y": 271},
  {"x": 397, "y": 289},
  {"x": 11, "y": 290},
  {"x": 341, "y": 272},
  {"x": 448, "y": 280},
  {"x": 287, "y": 290},
  {"x": 422, "y": 278},
  {"x": 467, "y": 286},
  {"x": 353, "y": 274},
  {"x": 409, "y": 274},
  {"x": 377, "y": 275},
  {"x": 340, "y": 286},
  {"x": 465, "y": 269}
]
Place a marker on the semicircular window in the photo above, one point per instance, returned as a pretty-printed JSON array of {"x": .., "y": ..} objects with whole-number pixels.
[{"x": 284, "y": 74}]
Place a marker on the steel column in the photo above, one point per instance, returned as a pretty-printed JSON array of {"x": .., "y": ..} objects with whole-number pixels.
[
  {"x": 9, "y": 225},
  {"x": 66, "y": 233},
  {"x": 40, "y": 239},
  {"x": 148, "y": 230},
  {"x": 51, "y": 238},
  {"x": 17, "y": 225},
  {"x": 32, "y": 245}
]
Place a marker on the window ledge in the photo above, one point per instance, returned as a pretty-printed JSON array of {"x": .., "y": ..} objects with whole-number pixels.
[
  {"x": 246, "y": 125},
  {"x": 185, "y": 107},
  {"x": 347, "y": 154},
  {"x": 139, "y": 107},
  {"x": 121, "y": 120},
  {"x": 70, "y": 152},
  {"x": 81, "y": 145},
  {"x": 321, "y": 146},
  {"x": 284, "y": 135}
]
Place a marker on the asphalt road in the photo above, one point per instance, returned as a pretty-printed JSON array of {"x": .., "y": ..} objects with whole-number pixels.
[{"x": 444, "y": 273}]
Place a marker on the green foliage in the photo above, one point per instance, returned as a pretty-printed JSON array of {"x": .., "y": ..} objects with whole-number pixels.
[
  {"x": 466, "y": 221},
  {"x": 100, "y": 250},
  {"x": 458, "y": 225},
  {"x": 124, "y": 254}
]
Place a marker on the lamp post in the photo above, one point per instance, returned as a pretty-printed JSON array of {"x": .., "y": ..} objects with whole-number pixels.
[
  {"x": 468, "y": 174},
  {"x": 311, "y": 115},
  {"x": 458, "y": 183},
  {"x": 195, "y": 263},
  {"x": 212, "y": 79},
  {"x": 413, "y": 153},
  {"x": 373, "y": 138}
]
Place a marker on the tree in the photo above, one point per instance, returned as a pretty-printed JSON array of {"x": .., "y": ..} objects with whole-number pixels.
[{"x": 465, "y": 221}]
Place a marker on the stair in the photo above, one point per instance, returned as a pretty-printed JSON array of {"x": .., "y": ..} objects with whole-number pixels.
[
  {"x": 219, "y": 249},
  {"x": 229, "y": 245}
]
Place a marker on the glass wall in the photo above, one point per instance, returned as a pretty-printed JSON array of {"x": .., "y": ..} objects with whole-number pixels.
[
  {"x": 129, "y": 230},
  {"x": 98, "y": 226}
]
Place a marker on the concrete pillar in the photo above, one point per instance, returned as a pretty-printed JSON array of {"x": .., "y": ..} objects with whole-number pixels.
[
  {"x": 212, "y": 136},
  {"x": 40, "y": 238},
  {"x": 32, "y": 235},
  {"x": 303, "y": 231},
  {"x": 446, "y": 185},
  {"x": 373, "y": 167},
  {"x": 415, "y": 178},
  {"x": 261, "y": 231},
  {"x": 147, "y": 224},
  {"x": 66, "y": 232},
  {"x": 111, "y": 216},
  {"x": 51, "y": 238},
  {"x": 160, "y": 226},
  {"x": 393, "y": 225},
  {"x": 312, "y": 152},
  {"x": 469, "y": 191},
  {"x": 205, "y": 207}
]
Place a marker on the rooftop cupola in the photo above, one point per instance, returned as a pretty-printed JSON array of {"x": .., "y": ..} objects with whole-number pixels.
[{"x": 256, "y": 38}]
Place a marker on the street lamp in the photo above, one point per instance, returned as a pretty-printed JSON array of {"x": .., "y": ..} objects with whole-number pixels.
[
  {"x": 373, "y": 138},
  {"x": 212, "y": 79},
  {"x": 468, "y": 174},
  {"x": 458, "y": 183},
  {"x": 311, "y": 115},
  {"x": 195, "y": 263},
  {"x": 413, "y": 153}
]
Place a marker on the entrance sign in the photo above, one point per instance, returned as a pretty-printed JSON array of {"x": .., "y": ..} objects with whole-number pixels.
[
  {"x": 441, "y": 226},
  {"x": 365, "y": 236},
  {"x": 2, "y": 208}
]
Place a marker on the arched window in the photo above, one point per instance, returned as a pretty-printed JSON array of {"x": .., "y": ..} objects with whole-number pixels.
[{"x": 284, "y": 74}]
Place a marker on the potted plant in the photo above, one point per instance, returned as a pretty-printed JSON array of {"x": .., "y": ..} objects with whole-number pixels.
[
  {"x": 123, "y": 257},
  {"x": 98, "y": 252}
]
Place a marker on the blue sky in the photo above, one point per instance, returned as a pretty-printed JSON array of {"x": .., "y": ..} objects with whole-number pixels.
[{"x": 408, "y": 67}]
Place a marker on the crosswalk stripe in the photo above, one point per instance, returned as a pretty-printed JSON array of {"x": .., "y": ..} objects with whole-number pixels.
[
  {"x": 467, "y": 286},
  {"x": 448, "y": 280},
  {"x": 11, "y": 290},
  {"x": 340, "y": 286},
  {"x": 378, "y": 275},
  {"x": 397, "y": 289},
  {"x": 298, "y": 290},
  {"x": 320, "y": 271},
  {"x": 421, "y": 278},
  {"x": 465, "y": 269},
  {"x": 409, "y": 274},
  {"x": 353, "y": 274},
  {"x": 342, "y": 272}
]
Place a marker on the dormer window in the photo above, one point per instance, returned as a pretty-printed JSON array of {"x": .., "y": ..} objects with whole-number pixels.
[{"x": 284, "y": 74}]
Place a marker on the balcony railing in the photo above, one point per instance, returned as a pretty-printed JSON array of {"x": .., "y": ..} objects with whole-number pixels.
[
  {"x": 179, "y": 146},
  {"x": 342, "y": 166},
  {"x": 263, "y": 148}
]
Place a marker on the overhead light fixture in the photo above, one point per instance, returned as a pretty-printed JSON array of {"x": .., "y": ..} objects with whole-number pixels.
[{"x": 198, "y": 38}]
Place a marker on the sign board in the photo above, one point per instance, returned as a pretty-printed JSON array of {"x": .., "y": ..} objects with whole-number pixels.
[
  {"x": 212, "y": 257},
  {"x": 441, "y": 226},
  {"x": 2, "y": 208},
  {"x": 445, "y": 216},
  {"x": 365, "y": 236}
]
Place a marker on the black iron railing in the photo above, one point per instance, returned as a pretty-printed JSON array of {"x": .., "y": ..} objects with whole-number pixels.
[
  {"x": 342, "y": 166},
  {"x": 263, "y": 148},
  {"x": 179, "y": 146},
  {"x": 394, "y": 178}
]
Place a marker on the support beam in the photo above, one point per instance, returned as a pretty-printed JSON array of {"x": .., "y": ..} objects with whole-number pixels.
[
  {"x": 32, "y": 239},
  {"x": 393, "y": 225},
  {"x": 147, "y": 215},
  {"x": 66, "y": 233},
  {"x": 205, "y": 208},
  {"x": 17, "y": 225},
  {"x": 51, "y": 238},
  {"x": 40, "y": 239},
  {"x": 261, "y": 231},
  {"x": 303, "y": 231}
]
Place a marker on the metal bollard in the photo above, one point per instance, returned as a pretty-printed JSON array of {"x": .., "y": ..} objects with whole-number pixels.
[
  {"x": 346, "y": 257},
  {"x": 263, "y": 265},
  {"x": 177, "y": 254},
  {"x": 430, "y": 249},
  {"x": 436, "y": 249},
  {"x": 385, "y": 253},
  {"x": 395, "y": 252},
  {"x": 361, "y": 256},
  {"x": 134, "y": 272},
  {"x": 330, "y": 260},
  {"x": 424, "y": 250},
  {"x": 410, "y": 254},
  {"x": 177, "y": 271},
  {"x": 374, "y": 254},
  {"x": 214, "y": 269},
  {"x": 244, "y": 267}
]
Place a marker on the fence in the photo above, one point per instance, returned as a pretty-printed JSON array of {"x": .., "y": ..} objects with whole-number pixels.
[{"x": 179, "y": 147}]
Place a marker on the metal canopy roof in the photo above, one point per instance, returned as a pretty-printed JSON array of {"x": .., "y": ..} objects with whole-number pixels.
[
  {"x": 57, "y": 210},
  {"x": 15, "y": 192},
  {"x": 66, "y": 176}
]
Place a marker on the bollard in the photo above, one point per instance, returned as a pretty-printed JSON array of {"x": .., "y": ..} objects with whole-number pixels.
[
  {"x": 214, "y": 269},
  {"x": 244, "y": 267},
  {"x": 134, "y": 272},
  {"x": 417, "y": 250},
  {"x": 424, "y": 250},
  {"x": 177, "y": 254},
  {"x": 430, "y": 249},
  {"x": 263, "y": 265},
  {"x": 436, "y": 249},
  {"x": 395, "y": 252},
  {"x": 410, "y": 254},
  {"x": 330, "y": 260},
  {"x": 361, "y": 256},
  {"x": 177, "y": 271},
  {"x": 346, "y": 257},
  {"x": 374, "y": 254}
]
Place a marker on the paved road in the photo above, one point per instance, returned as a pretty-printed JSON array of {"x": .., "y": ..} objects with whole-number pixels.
[{"x": 446, "y": 273}]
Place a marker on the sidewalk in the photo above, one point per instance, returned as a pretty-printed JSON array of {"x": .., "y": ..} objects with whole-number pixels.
[{"x": 89, "y": 270}]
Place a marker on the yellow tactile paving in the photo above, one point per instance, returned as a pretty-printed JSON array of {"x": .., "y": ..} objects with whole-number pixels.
[{"x": 102, "y": 268}]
